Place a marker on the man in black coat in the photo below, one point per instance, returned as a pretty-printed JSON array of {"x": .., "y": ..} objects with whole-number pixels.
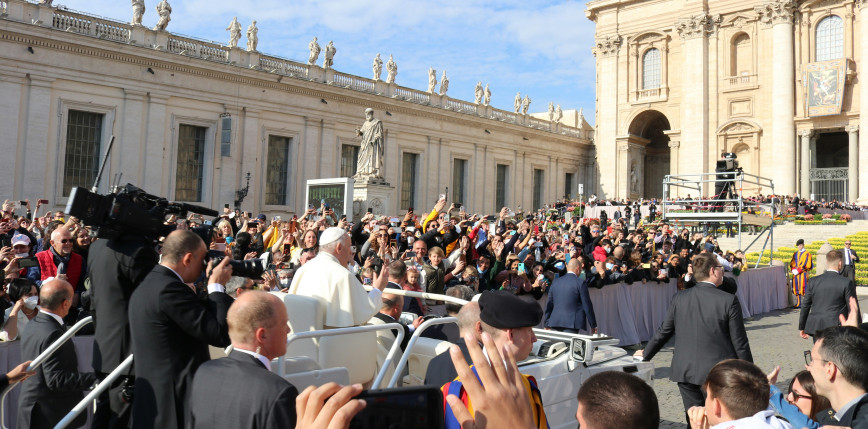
[
  {"x": 826, "y": 297},
  {"x": 57, "y": 386},
  {"x": 850, "y": 258},
  {"x": 171, "y": 328},
  {"x": 838, "y": 361},
  {"x": 708, "y": 327},
  {"x": 240, "y": 391},
  {"x": 116, "y": 266}
]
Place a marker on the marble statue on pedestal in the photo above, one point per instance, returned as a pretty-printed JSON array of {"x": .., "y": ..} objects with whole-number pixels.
[
  {"x": 138, "y": 11},
  {"x": 378, "y": 67},
  {"x": 165, "y": 12},
  {"x": 314, "y": 51},
  {"x": 329, "y": 59},
  {"x": 559, "y": 113},
  {"x": 391, "y": 70},
  {"x": 525, "y": 104},
  {"x": 487, "y": 100},
  {"x": 252, "y": 37},
  {"x": 634, "y": 179},
  {"x": 432, "y": 80},
  {"x": 444, "y": 84},
  {"x": 371, "y": 153},
  {"x": 478, "y": 92},
  {"x": 234, "y": 29},
  {"x": 551, "y": 111},
  {"x": 581, "y": 115},
  {"x": 517, "y": 102}
]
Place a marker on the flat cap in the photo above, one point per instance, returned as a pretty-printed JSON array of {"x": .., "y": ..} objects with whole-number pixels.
[{"x": 504, "y": 310}]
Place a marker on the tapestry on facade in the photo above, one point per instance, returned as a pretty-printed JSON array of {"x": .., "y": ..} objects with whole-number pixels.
[{"x": 824, "y": 87}]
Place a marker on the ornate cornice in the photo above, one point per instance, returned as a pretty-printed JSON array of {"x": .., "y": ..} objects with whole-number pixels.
[
  {"x": 776, "y": 12},
  {"x": 609, "y": 45},
  {"x": 698, "y": 26}
]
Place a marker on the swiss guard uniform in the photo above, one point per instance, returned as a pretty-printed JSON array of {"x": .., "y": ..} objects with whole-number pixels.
[
  {"x": 501, "y": 310},
  {"x": 801, "y": 264}
]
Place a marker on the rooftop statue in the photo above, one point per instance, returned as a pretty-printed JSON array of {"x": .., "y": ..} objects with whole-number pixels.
[
  {"x": 391, "y": 70},
  {"x": 378, "y": 67},
  {"x": 329, "y": 59},
  {"x": 517, "y": 103},
  {"x": 444, "y": 84},
  {"x": 234, "y": 29},
  {"x": 432, "y": 79},
  {"x": 525, "y": 104},
  {"x": 165, "y": 12},
  {"x": 478, "y": 92},
  {"x": 252, "y": 37},
  {"x": 487, "y": 99},
  {"x": 314, "y": 51},
  {"x": 138, "y": 11}
]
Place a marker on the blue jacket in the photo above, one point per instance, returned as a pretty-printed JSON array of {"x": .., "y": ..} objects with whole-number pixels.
[
  {"x": 569, "y": 305},
  {"x": 790, "y": 411}
]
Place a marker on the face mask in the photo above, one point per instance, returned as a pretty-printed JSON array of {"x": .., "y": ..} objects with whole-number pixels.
[
  {"x": 608, "y": 250},
  {"x": 479, "y": 269},
  {"x": 30, "y": 302},
  {"x": 609, "y": 266},
  {"x": 284, "y": 282},
  {"x": 22, "y": 255}
]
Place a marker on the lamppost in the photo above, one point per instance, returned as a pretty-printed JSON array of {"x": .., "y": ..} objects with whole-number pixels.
[{"x": 241, "y": 193}]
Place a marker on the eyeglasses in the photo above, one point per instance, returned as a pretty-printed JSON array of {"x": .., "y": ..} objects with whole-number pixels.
[
  {"x": 797, "y": 396},
  {"x": 810, "y": 359},
  {"x": 65, "y": 240}
]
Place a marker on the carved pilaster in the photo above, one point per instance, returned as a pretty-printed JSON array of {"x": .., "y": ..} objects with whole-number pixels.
[
  {"x": 776, "y": 12},
  {"x": 674, "y": 144},
  {"x": 852, "y": 129},
  {"x": 698, "y": 26},
  {"x": 806, "y": 134},
  {"x": 609, "y": 45}
]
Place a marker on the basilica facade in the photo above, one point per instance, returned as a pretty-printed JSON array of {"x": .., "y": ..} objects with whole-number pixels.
[
  {"x": 777, "y": 82},
  {"x": 200, "y": 122}
]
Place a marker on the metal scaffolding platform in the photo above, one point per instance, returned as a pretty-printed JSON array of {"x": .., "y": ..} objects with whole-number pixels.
[{"x": 726, "y": 205}]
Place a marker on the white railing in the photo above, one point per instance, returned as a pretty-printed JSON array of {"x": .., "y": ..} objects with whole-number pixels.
[
  {"x": 571, "y": 131},
  {"x": 743, "y": 80},
  {"x": 104, "y": 385},
  {"x": 68, "y": 22},
  {"x": 461, "y": 106},
  {"x": 649, "y": 93},
  {"x": 403, "y": 94},
  {"x": 353, "y": 82},
  {"x": 112, "y": 31},
  {"x": 503, "y": 115},
  {"x": 538, "y": 123},
  {"x": 271, "y": 65},
  {"x": 213, "y": 52}
]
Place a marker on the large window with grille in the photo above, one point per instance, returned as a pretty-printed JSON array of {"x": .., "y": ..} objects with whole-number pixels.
[
  {"x": 459, "y": 180},
  {"x": 651, "y": 69},
  {"x": 349, "y": 160},
  {"x": 830, "y": 38},
  {"x": 83, "y": 138},
  {"x": 277, "y": 170},
  {"x": 409, "y": 166},
  {"x": 538, "y": 186},
  {"x": 190, "y": 172},
  {"x": 500, "y": 187}
]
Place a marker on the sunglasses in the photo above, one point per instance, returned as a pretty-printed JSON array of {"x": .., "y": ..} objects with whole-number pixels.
[{"x": 65, "y": 240}]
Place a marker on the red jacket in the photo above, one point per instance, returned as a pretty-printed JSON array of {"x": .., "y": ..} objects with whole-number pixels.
[
  {"x": 48, "y": 269},
  {"x": 600, "y": 254}
]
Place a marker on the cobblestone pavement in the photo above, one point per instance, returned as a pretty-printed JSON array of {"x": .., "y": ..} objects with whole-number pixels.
[{"x": 774, "y": 340}]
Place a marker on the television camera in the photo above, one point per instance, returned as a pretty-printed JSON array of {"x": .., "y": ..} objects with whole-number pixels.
[{"x": 727, "y": 169}]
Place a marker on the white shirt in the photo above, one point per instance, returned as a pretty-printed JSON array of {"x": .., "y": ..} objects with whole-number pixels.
[
  {"x": 53, "y": 316},
  {"x": 213, "y": 287},
  {"x": 761, "y": 420},
  {"x": 261, "y": 358}
]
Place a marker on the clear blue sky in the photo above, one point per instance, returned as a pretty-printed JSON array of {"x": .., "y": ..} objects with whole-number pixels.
[{"x": 540, "y": 47}]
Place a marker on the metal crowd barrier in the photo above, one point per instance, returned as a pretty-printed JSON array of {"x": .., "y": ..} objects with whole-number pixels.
[
  {"x": 101, "y": 387},
  {"x": 39, "y": 360}
]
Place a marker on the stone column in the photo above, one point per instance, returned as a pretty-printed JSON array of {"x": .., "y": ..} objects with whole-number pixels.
[
  {"x": 853, "y": 163},
  {"x": 674, "y": 145},
  {"x": 778, "y": 14},
  {"x": 805, "y": 170},
  {"x": 694, "y": 108},
  {"x": 862, "y": 189},
  {"x": 607, "y": 110},
  {"x": 156, "y": 152},
  {"x": 36, "y": 173},
  {"x": 13, "y": 86}
]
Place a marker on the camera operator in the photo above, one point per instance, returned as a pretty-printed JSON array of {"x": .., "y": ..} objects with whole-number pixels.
[
  {"x": 171, "y": 329},
  {"x": 117, "y": 266}
]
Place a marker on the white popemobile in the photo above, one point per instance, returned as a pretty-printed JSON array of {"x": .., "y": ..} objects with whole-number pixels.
[{"x": 560, "y": 362}]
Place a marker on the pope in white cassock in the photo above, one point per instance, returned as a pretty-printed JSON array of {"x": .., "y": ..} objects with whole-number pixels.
[{"x": 327, "y": 279}]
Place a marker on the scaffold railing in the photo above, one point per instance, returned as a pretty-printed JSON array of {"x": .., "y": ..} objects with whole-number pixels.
[{"x": 719, "y": 199}]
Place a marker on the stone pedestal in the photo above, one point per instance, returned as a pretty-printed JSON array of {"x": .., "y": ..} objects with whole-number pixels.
[
  {"x": 374, "y": 194},
  {"x": 234, "y": 56},
  {"x": 138, "y": 35}
]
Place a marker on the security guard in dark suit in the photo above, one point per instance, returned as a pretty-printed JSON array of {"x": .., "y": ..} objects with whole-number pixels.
[{"x": 826, "y": 296}]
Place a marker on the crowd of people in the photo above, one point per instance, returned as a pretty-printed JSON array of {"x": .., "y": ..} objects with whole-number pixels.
[{"x": 166, "y": 303}]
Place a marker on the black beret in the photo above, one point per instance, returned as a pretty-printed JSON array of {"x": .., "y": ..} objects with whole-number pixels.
[
  {"x": 800, "y": 241},
  {"x": 504, "y": 310}
]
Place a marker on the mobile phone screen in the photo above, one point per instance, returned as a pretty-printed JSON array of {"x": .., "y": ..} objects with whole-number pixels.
[{"x": 407, "y": 408}]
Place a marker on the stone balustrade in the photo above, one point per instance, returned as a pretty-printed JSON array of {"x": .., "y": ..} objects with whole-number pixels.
[{"x": 108, "y": 29}]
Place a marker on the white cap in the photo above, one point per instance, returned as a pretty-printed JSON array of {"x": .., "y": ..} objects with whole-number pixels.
[{"x": 331, "y": 235}]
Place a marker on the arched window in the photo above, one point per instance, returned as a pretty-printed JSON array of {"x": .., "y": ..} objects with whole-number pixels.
[
  {"x": 742, "y": 56},
  {"x": 651, "y": 69},
  {"x": 830, "y": 38}
]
